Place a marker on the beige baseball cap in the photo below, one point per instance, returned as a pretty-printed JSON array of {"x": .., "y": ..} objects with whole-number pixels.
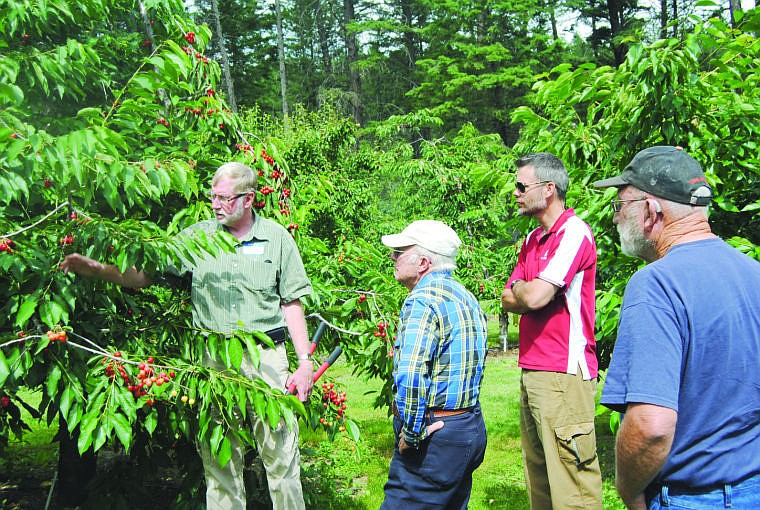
[{"x": 432, "y": 235}]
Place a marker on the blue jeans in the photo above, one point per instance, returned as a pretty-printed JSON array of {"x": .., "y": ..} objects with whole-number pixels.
[
  {"x": 439, "y": 474},
  {"x": 741, "y": 496}
]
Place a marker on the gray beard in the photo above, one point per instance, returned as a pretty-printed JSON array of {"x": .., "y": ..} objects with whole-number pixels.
[{"x": 634, "y": 244}]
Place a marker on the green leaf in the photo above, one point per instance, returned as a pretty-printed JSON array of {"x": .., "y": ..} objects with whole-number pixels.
[
  {"x": 353, "y": 430},
  {"x": 150, "y": 422},
  {"x": 126, "y": 402},
  {"x": 86, "y": 431},
  {"x": 11, "y": 94},
  {"x": 42, "y": 344},
  {"x": 253, "y": 351},
  {"x": 264, "y": 338},
  {"x": 290, "y": 419},
  {"x": 51, "y": 312},
  {"x": 51, "y": 384},
  {"x": 212, "y": 345},
  {"x": 259, "y": 404},
  {"x": 157, "y": 61},
  {"x": 65, "y": 400},
  {"x": 4, "y": 370},
  {"x": 25, "y": 311},
  {"x": 102, "y": 432},
  {"x": 123, "y": 429},
  {"x": 225, "y": 452},
  {"x": 217, "y": 434},
  {"x": 294, "y": 403},
  {"x": 234, "y": 352},
  {"x": 273, "y": 413},
  {"x": 74, "y": 416}
]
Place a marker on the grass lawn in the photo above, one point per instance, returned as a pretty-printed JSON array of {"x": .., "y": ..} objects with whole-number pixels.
[{"x": 498, "y": 483}]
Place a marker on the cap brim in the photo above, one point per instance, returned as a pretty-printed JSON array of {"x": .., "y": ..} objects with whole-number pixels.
[
  {"x": 397, "y": 240},
  {"x": 616, "y": 182}
]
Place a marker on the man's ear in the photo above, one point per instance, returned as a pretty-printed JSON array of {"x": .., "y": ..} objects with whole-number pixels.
[
  {"x": 423, "y": 264},
  {"x": 653, "y": 213},
  {"x": 550, "y": 189}
]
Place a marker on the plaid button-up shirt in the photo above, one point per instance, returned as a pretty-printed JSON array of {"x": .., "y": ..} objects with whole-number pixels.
[{"x": 440, "y": 351}]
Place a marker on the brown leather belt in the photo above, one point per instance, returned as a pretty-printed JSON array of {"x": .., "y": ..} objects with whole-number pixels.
[
  {"x": 440, "y": 413},
  {"x": 436, "y": 413}
]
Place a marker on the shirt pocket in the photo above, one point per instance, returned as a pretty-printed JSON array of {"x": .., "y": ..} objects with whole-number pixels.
[{"x": 258, "y": 273}]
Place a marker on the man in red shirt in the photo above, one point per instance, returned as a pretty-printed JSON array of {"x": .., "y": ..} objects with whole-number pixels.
[{"x": 552, "y": 287}]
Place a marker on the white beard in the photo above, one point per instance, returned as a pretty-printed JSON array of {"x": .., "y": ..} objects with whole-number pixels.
[{"x": 633, "y": 242}]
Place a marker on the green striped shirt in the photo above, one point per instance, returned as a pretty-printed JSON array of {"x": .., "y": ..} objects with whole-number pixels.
[{"x": 250, "y": 285}]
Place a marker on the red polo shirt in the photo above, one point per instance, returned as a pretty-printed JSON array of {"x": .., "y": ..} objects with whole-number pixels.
[{"x": 560, "y": 336}]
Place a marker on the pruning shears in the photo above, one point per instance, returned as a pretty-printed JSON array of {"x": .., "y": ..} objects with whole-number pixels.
[{"x": 291, "y": 389}]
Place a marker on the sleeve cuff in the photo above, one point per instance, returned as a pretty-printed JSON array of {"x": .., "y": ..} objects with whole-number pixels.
[{"x": 414, "y": 440}]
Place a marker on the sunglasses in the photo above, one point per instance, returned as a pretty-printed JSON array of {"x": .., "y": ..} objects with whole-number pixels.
[{"x": 522, "y": 187}]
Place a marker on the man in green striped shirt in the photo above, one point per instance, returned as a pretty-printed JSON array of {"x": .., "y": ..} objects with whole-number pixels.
[{"x": 259, "y": 285}]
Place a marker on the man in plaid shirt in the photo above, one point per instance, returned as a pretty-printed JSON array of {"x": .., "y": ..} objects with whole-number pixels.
[{"x": 439, "y": 353}]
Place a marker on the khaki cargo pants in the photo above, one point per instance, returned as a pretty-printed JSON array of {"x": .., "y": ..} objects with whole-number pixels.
[
  {"x": 225, "y": 487},
  {"x": 559, "y": 441}
]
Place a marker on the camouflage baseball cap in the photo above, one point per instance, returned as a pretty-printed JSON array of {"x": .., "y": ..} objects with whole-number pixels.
[{"x": 665, "y": 171}]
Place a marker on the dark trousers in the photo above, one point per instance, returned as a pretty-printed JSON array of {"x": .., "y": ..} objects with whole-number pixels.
[{"x": 439, "y": 474}]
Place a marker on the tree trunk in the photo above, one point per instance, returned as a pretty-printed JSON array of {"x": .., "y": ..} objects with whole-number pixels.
[
  {"x": 146, "y": 23},
  {"x": 504, "y": 330},
  {"x": 617, "y": 23},
  {"x": 663, "y": 19},
  {"x": 352, "y": 52},
  {"x": 75, "y": 472},
  {"x": 281, "y": 59},
  {"x": 410, "y": 38},
  {"x": 149, "y": 34},
  {"x": 674, "y": 17},
  {"x": 324, "y": 46},
  {"x": 734, "y": 6},
  {"x": 553, "y": 19},
  {"x": 230, "y": 86}
]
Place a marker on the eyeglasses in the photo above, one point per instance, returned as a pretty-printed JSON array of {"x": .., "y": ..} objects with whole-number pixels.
[
  {"x": 224, "y": 199},
  {"x": 617, "y": 205},
  {"x": 397, "y": 252},
  {"x": 522, "y": 187}
]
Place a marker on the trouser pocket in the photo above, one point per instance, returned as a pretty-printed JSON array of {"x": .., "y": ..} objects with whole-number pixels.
[{"x": 576, "y": 443}]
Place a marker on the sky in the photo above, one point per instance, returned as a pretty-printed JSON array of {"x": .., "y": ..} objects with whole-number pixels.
[{"x": 569, "y": 24}]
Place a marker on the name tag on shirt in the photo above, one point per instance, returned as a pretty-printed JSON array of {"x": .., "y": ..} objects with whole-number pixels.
[{"x": 253, "y": 248}]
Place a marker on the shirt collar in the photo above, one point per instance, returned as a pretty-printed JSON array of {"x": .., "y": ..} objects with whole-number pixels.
[
  {"x": 256, "y": 231},
  {"x": 566, "y": 214},
  {"x": 434, "y": 275}
]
